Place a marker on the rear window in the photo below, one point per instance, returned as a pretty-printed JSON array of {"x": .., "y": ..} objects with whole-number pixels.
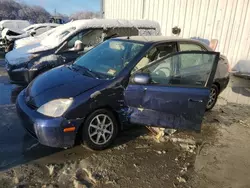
[{"x": 190, "y": 47}]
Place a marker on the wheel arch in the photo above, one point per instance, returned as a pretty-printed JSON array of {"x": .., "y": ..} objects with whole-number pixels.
[
  {"x": 218, "y": 85},
  {"x": 106, "y": 107}
]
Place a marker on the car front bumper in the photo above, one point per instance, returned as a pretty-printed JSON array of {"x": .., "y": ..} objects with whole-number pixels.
[
  {"x": 21, "y": 76},
  {"x": 47, "y": 130}
]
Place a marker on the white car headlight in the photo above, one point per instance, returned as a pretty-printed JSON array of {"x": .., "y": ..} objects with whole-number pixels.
[{"x": 55, "y": 108}]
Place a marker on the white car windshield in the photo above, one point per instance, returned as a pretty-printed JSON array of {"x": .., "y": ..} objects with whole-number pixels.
[
  {"x": 47, "y": 33},
  {"x": 58, "y": 36}
]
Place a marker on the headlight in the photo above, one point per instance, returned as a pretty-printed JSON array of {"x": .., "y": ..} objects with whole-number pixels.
[{"x": 55, "y": 108}]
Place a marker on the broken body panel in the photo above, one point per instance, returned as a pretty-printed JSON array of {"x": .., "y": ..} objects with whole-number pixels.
[{"x": 173, "y": 105}]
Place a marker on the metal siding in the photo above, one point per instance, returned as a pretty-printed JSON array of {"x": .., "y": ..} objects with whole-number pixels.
[{"x": 225, "y": 20}]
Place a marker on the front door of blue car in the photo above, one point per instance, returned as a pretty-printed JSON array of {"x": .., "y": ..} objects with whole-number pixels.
[{"x": 173, "y": 91}]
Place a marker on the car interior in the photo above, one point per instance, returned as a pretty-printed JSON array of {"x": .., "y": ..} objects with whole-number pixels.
[
  {"x": 155, "y": 54},
  {"x": 182, "y": 69}
]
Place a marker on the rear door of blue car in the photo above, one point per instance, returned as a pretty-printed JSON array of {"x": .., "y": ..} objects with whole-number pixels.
[{"x": 178, "y": 92}]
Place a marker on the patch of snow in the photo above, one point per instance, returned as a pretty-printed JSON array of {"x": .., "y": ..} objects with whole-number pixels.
[
  {"x": 34, "y": 26},
  {"x": 39, "y": 48},
  {"x": 4, "y": 32},
  {"x": 14, "y": 24},
  {"x": 62, "y": 32},
  {"x": 20, "y": 55},
  {"x": 242, "y": 67},
  {"x": 32, "y": 40},
  {"x": 10, "y": 38}
]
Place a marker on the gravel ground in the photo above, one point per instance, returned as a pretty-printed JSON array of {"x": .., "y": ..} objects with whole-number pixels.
[{"x": 218, "y": 157}]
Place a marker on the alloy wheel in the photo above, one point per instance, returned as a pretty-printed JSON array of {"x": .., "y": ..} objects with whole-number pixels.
[
  {"x": 101, "y": 129},
  {"x": 212, "y": 97}
]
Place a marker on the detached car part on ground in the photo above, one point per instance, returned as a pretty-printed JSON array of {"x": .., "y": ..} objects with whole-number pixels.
[
  {"x": 121, "y": 82},
  {"x": 10, "y": 36},
  {"x": 25, "y": 63}
]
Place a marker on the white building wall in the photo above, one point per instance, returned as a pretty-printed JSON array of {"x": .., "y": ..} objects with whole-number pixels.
[{"x": 225, "y": 20}]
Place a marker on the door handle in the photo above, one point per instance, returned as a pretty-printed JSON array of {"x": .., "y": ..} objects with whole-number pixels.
[{"x": 193, "y": 100}]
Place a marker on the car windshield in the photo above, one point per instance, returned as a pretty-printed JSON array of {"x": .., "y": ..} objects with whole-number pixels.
[
  {"x": 109, "y": 58},
  {"x": 47, "y": 33}
]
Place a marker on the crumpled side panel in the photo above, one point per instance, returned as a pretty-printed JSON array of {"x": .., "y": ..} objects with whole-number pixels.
[
  {"x": 166, "y": 106},
  {"x": 161, "y": 119}
]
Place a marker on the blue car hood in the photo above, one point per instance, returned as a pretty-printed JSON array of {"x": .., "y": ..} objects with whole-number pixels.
[{"x": 60, "y": 82}]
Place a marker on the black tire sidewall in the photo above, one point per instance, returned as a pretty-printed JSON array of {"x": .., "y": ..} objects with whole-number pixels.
[
  {"x": 217, "y": 94},
  {"x": 85, "y": 136}
]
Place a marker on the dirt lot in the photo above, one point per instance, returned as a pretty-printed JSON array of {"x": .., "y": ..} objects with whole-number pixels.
[{"x": 218, "y": 157}]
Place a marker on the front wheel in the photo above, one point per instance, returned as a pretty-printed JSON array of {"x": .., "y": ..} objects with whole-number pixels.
[
  {"x": 100, "y": 129},
  {"x": 214, "y": 92}
]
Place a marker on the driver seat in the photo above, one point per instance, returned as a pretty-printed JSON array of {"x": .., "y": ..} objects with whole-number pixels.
[{"x": 142, "y": 63}]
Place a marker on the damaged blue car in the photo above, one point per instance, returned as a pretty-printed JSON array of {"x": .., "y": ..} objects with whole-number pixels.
[{"x": 126, "y": 80}]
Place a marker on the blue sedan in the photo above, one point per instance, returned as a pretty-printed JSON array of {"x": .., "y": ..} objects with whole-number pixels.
[{"x": 123, "y": 81}]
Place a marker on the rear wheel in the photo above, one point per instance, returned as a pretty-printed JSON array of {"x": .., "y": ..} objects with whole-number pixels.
[
  {"x": 214, "y": 92},
  {"x": 100, "y": 129}
]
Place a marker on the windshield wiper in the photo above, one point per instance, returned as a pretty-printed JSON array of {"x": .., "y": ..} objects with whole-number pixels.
[
  {"x": 86, "y": 70},
  {"x": 74, "y": 67},
  {"x": 92, "y": 73}
]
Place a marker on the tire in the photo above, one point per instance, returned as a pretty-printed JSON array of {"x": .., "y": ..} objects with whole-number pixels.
[
  {"x": 92, "y": 130},
  {"x": 214, "y": 92}
]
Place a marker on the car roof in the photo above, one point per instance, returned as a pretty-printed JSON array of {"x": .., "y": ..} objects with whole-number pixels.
[
  {"x": 111, "y": 23},
  {"x": 157, "y": 39},
  {"x": 41, "y": 24}
]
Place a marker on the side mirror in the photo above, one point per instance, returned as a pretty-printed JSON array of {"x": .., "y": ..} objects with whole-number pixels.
[
  {"x": 141, "y": 78},
  {"x": 78, "y": 46}
]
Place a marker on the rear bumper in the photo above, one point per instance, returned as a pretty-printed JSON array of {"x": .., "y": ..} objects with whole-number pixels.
[
  {"x": 223, "y": 82},
  {"x": 47, "y": 130}
]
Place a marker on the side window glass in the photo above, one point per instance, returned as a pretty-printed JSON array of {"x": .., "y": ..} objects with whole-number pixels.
[
  {"x": 189, "y": 59},
  {"x": 119, "y": 32},
  {"x": 154, "y": 54},
  {"x": 92, "y": 38},
  {"x": 170, "y": 71},
  {"x": 147, "y": 32},
  {"x": 86, "y": 39},
  {"x": 190, "y": 47},
  {"x": 71, "y": 43},
  {"x": 161, "y": 72}
]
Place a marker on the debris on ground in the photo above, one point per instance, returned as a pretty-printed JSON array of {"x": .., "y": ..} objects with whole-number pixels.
[
  {"x": 181, "y": 179},
  {"x": 51, "y": 169},
  {"x": 184, "y": 141},
  {"x": 161, "y": 152},
  {"x": 157, "y": 132},
  {"x": 120, "y": 147},
  {"x": 170, "y": 131}
]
